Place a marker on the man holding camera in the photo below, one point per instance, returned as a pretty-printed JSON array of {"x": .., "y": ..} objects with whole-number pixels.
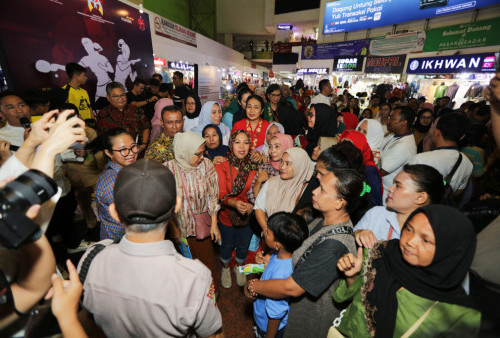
[{"x": 141, "y": 286}]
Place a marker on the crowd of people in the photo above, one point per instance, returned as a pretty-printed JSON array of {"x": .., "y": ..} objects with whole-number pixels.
[{"x": 364, "y": 220}]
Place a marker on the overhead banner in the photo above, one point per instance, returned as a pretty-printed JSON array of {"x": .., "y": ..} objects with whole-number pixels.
[
  {"x": 471, "y": 63},
  {"x": 170, "y": 30},
  {"x": 385, "y": 64},
  {"x": 352, "y": 15},
  {"x": 111, "y": 39},
  {"x": 332, "y": 50},
  {"x": 348, "y": 64},
  {"x": 398, "y": 44},
  {"x": 468, "y": 35}
]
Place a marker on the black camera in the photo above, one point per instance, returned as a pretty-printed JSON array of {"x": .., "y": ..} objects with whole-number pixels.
[{"x": 32, "y": 187}]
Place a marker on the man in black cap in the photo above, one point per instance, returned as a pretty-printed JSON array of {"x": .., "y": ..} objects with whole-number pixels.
[{"x": 141, "y": 286}]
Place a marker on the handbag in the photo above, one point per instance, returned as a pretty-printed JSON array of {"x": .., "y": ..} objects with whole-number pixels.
[
  {"x": 237, "y": 219},
  {"x": 202, "y": 221},
  {"x": 202, "y": 225}
]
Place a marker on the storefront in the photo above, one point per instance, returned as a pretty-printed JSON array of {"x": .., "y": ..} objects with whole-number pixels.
[
  {"x": 346, "y": 72},
  {"x": 460, "y": 77},
  {"x": 312, "y": 76}
]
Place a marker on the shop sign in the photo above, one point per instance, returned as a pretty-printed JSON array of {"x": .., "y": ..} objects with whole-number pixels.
[
  {"x": 286, "y": 47},
  {"x": 160, "y": 61},
  {"x": 332, "y": 50},
  {"x": 395, "y": 44},
  {"x": 180, "y": 66},
  {"x": 318, "y": 71},
  {"x": 471, "y": 63},
  {"x": 285, "y": 27},
  {"x": 173, "y": 31},
  {"x": 348, "y": 64},
  {"x": 469, "y": 35},
  {"x": 385, "y": 64},
  {"x": 352, "y": 15}
]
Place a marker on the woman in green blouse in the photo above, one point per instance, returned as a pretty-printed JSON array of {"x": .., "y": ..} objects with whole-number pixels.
[{"x": 412, "y": 286}]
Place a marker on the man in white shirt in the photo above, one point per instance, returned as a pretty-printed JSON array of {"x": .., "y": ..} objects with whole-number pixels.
[
  {"x": 399, "y": 146},
  {"x": 13, "y": 107},
  {"x": 325, "y": 89},
  {"x": 446, "y": 132}
]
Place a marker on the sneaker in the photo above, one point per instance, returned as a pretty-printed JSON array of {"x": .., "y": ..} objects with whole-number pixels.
[
  {"x": 226, "y": 278},
  {"x": 83, "y": 246},
  {"x": 241, "y": 279}
]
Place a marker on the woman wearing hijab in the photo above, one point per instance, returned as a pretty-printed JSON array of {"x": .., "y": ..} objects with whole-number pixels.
[
  {"x": 295, "y": 171},
  {"x": 235, "y": 178},
  {"x": 412, "y": 286},
  {"x": 273, "y": 129},
  {"x": 156, "y": 122},
  {"x": 215, "y": 151},
  {"x": 211, "y": 113},
  {"x": 422, "y": 126},
  {"x": 198, "y": 185},
  {"x": 350, "y": 120},
  {"x": 277, "y": 146},
  {"x": 374, "y": 133},
  {"x": 322, "y": 121},
  {"x": 372, "y": 173},
  {"x": 193, "y": 109}
]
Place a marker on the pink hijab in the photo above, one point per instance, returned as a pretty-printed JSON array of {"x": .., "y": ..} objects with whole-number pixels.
[
  {"x": 156, "y": 125},
  {"x": 286, "y": 142}
]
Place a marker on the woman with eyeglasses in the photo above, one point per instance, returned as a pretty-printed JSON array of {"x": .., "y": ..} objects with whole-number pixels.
[
  {"x": 273, "y": 94},
  {"x": 422, "y": 127},
  {"x": 121, "y": 150},
  {"x": 198, "y": 184}
]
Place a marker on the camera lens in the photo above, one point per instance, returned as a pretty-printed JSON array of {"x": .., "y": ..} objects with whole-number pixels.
[{"x": 32, "y": 187}]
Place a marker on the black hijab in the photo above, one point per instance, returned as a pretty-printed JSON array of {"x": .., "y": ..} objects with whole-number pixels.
[
  {"x": 198, "y": 106},
  {"x": 221, "y": 150},
  {"x": 325, "y": 125},
  {"x": 291, "y": 119},
  {"x": 387, "y": 271},
  {"x": 419, "y": 127}
]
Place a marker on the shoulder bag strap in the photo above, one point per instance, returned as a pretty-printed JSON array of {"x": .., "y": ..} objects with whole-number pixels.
[
  {"x": 454, "y": 169},
  {"x": 419, "y": 321},
  {"x": 335, "y": 231},
  {"x": 300, "y": 194},
  {"x": 84, "y": 269}
]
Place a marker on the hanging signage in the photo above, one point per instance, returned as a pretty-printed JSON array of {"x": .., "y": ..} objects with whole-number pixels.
[
  {"x": 468, "y": 35},
  {"x": 112, "y": 40},
  {"x": 160, "y": 61},
  {"x": 332, "y": 50},
  {"x": 180, "y": 66},
  {"x": 348, "y": 64},
  {"x": 471, "y": 63},
  {"x": 209, "y": 83},
  {"x": 285, "y": 27},
  {"x": 318, "y": 71},
  {"x": 395, "y": 44},
  {"x": 351, "y": 15},
  {"x": 385, "y": 64},
  {"x": 173, "y": 31}
]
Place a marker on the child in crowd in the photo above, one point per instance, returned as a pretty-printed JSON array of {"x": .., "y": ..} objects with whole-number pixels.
[{"x": 284, "y": 234}]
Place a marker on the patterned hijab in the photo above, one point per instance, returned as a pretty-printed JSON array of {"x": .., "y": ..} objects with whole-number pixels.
[{"x": 244, "y": 165}]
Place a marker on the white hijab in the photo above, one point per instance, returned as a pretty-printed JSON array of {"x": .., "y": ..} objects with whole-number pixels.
[{"x": 375, "y": 134}]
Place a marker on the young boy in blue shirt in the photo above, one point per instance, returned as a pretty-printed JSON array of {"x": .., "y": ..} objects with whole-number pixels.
[{"x": 284, "y": 234}]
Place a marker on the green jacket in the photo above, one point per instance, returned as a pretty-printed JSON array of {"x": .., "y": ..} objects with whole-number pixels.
[{"x": 444, "y": 319}]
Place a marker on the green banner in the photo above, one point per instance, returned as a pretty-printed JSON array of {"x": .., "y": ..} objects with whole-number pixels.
[{"x": 468, "y": 35}]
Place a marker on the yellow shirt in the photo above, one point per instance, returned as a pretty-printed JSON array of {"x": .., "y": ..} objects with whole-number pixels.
[{"x": 80, "y": 98}]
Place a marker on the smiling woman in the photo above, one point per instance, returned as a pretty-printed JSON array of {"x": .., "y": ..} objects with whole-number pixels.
[
  {"x": 254, "y": 124},
  {"x": 211, "y": 113}
]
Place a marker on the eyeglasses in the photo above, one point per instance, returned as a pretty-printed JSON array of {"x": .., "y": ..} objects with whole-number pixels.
[
  {"x": 116, "y": 97},
  {"x": 126, "y": 151}
]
